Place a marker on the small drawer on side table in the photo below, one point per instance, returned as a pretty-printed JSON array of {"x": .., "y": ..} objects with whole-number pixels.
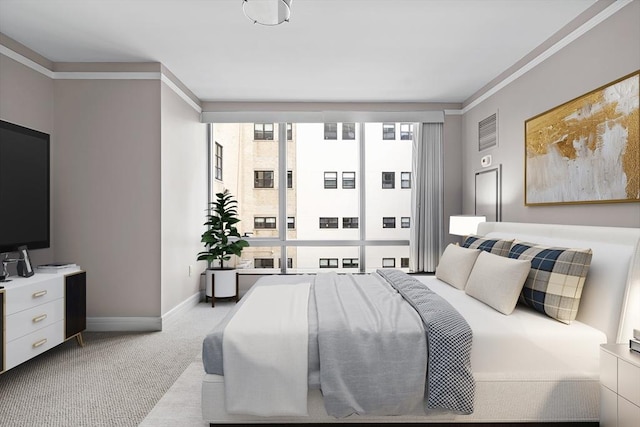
[{"x": 619, "y": 386}]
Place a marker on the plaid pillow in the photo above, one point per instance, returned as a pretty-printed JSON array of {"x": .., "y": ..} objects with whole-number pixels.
[
  {"x": 555, "y": 281},
  {"x": 494, "y": 246}
]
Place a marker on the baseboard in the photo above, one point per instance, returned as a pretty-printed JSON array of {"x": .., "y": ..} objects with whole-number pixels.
[
  {"x": 124, "y": 324},
  {"x": 142, "y": 324},
  {"x": 184, "y": 306}
]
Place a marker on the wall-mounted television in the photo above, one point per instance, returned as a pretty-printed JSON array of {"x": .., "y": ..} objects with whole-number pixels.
[{"x": 24, "y": 188}]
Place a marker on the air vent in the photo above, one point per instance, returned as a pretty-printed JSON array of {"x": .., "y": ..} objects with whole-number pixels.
[{"x": 488, "y": 132}]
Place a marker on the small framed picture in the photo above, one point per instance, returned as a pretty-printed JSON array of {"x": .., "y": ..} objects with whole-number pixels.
[{"x": 25, "y": 269}]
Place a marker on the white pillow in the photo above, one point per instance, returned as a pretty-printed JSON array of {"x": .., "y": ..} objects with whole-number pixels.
[
  {"x": 455, "y": 265},
  {"x": 497, "y": 281}
]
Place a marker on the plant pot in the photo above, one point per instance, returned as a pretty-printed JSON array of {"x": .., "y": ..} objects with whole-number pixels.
[{"x": 224, "y": 284}]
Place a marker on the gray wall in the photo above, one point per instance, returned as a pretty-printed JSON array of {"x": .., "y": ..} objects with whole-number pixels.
[{"x": 607, "y": 52}]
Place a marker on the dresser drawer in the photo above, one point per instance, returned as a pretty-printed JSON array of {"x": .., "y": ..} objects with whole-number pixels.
[
  {"x": 31, "y": 294},
  {"x": 629, "y": 381},
  {"x": 27, "y": 321},
  {"x": 31, "y": 345}
]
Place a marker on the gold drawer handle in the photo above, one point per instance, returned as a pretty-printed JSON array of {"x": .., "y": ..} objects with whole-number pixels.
[
  {"x": 39, "y": 318},
  {"x": 39, "y": 343},
  {"x": 39, "y": 294}
]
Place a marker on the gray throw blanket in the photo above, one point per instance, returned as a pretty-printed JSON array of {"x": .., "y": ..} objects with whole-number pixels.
[
  {"x": 450, "y": 383},
  {"x": 372, "y": 347}
]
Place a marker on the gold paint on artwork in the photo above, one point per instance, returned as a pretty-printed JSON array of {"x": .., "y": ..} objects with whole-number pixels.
[{"x": 582, "y": 124}]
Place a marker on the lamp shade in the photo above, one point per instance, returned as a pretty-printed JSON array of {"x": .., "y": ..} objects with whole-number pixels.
[
  {"x": 267, "y": 12},
  {"x": 463, "y": 225}
]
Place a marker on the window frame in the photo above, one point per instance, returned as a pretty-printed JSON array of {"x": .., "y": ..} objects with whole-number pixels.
[
  {"x": 261, "y": 260},
  {"x": 328, "y": 180},
  {"x": 351, "y": 181},
  {"x": 350, "y": 262},
  {"x": 350, "y": 221},
  {"x": 331, "y": 131},
  {"x": 218, "y": 162},
  {"x": 263, "y": 180},
  {"x": 346, "y": 135},
  {"x": 329, "y": 221},
  {"x": 390, "y": 184},
  {"x": 263, "y": 134},
  {"x": 265, "y": 220},
  {"x": 388, "y": 222},
  {"x": 391, "y": 265},
  {"x": 329, "y": 263},
  {"x": 388, "y": 135},
  {"x": 406, "y": 135},
  {"x": 404, "y": 181},
  {"x": 405, "y": 222}
]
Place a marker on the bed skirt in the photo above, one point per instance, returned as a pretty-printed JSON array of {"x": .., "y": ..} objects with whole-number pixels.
[{"x": 504, "y": 400}]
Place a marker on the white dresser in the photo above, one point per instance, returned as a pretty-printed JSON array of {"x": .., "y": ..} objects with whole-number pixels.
[
  {"x": 41, "y": 312},
  {"x": 619, "y": 386}
]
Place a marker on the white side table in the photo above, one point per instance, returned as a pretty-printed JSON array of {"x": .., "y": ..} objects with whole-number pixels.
[{"x": 619, "y": 386}]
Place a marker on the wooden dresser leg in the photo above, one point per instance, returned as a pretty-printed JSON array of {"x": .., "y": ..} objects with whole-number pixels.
[{"x": 79, "y": 340}]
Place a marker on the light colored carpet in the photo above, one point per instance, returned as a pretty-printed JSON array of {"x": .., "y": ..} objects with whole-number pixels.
[{"x": 115, "y": 380}]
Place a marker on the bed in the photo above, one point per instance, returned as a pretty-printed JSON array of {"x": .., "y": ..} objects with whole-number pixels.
[{"x": 526, "y": 367}]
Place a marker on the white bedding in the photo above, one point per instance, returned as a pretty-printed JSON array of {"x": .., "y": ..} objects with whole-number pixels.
[{"x": 525, "y": 344}]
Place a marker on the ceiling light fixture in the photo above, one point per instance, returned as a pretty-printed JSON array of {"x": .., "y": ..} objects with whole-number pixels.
[{"x": 267, "y": 12}]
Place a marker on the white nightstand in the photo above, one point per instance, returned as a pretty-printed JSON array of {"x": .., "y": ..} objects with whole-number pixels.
[{"x": 619, "y": 386}]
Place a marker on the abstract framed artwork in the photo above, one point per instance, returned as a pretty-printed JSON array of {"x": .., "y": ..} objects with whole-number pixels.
[{"x": 586, "y": 150}]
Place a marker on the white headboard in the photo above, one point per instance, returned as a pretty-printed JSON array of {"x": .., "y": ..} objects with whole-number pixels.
[{"x": 611, "y": 296}]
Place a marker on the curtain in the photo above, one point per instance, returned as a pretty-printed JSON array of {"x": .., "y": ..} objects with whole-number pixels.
[{"x": 426, "y": 237}]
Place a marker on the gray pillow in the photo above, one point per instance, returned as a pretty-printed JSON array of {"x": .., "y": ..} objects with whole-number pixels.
[
  {"x": 455, "y": 265},
  {"x": 497, "y": 281}
]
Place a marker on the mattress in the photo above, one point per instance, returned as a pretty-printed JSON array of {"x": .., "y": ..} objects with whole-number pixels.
[{"x": 525, "y": 344}]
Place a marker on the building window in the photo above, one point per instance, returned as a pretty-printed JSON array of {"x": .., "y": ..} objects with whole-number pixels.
[
  {"x": 264, "y": 222},
  {"x": 263, "y": 262},
  {"x": 388, "y": 262},
  {"x": 291, "y": 222},
  {"x": 404, "y": 262},
  {"x": 289, "y": 131},
  {"x": 289, "y": 263},
  {"x": 405, "y": 179},
  {"x": 328, "y": 262},
  {"x": 331, "y": 180},
  {"x": 388, "y": 131},
  {"x": 350, "y": 222},
  {"x": 348, "y": 131},
  {"x": 218, "y": 162},
  {"x": 263, "y": 179},
  {"x": 388, "y": 180},
  {"x": 349, "y": 262},
  {"x": 406, "y": 131},
  {"x": 263, "y": 131},
  {"x": 348, "y": 180},
  {"x": 405, "y": 222},
  {"x": 289, "y": 179},
  {"x": 389, "y": 222},
  {"x": 330, "y": 131},
  {"x": 328, "y": 222}
]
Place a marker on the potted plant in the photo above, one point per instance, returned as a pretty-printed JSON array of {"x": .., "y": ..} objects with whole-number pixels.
[{"x": 221, "y": 241}]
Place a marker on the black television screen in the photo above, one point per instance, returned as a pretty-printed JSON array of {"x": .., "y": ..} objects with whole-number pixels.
[{"x": 24, "y": 188}]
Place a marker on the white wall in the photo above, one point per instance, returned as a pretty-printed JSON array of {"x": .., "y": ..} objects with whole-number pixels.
[
  {"x": 604, "y": 54},
  {"x": 183, "y": 198}
]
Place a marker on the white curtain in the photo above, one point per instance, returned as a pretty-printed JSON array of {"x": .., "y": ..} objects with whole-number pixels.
[{"x": 426, "y": 198}]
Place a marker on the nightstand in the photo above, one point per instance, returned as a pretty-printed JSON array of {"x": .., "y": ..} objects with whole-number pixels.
[{"x": 619, "y": 386}]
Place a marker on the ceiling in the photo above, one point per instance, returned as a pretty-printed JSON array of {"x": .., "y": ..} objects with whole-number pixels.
[{"x": 331, "y": 51}]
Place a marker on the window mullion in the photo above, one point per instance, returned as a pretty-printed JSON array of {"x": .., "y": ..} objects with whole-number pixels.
[
  {"x": 361, "y": 194},
  {"x": 282, "y": 194}
]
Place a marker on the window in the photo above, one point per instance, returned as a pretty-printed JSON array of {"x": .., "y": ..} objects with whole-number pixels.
[
  {"x": 388, "y": 180},
  {"x": 348, "y": 131},
  {"x": 405, "y": 222},
  {"x": 388, "y": 262},
  {"x": 263, "y": 262},
  {"x": 348, "y": 180},
  {"x": 264, "y": 222},
  {"x": 263, "y": 179},
  {"x": 289, "y": 131},
  {"x": 218, "y": 162},
  {"x": 389, "y": 222},
  {"x": 405, "y": 179},
  {"x": 330, "y": 131},
  {"x": 289, "y": 263},
  {"x": 350, "y": 222},
  {"x": 331, "y": 180},
  {"x": 349, "y": 262},
  {"x": 328, "y": 262},
  {"x": 404, "y": 262},
  {"x": 328, "y": 222},
  {"x": 263, "y": 131},
  {"x": 388, "y": 131},
  {"x": 406, "y": 131},
  {"x": 289, "y": 179},
  {"x": 291, "y": 222}
]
